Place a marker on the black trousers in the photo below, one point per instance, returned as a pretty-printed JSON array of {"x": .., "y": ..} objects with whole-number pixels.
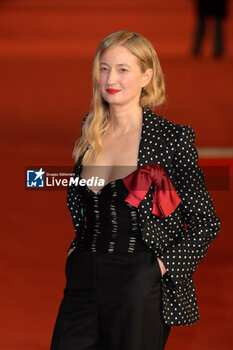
[{"x": 112, "y": 301}]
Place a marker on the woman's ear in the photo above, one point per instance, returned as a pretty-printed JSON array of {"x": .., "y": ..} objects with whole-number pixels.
[{"x": 147, "y": 76}]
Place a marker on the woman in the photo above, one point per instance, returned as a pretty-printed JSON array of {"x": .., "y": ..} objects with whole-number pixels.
[{"x": 129, "y": 269}]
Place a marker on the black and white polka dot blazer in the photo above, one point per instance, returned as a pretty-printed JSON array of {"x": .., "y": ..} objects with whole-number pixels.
[{"x": 173, "y": 147}]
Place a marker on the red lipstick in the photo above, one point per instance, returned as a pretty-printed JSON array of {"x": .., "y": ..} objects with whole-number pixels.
[{"x": 112, "y": 91}]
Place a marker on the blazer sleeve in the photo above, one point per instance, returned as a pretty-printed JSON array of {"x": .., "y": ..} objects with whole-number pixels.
[
  {"x": 181, "y": 258},
  {"x": 77, "y": 225}
]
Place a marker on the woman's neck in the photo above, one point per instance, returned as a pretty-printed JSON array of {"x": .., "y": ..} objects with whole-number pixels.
[{"x": 124, "y": 120}]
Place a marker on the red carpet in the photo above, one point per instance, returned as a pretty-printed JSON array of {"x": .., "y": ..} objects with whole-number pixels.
[{"x": 46, "y": 52}]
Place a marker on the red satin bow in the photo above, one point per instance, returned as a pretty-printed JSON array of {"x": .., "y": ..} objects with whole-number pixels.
[{"x": 165, "y": 198}]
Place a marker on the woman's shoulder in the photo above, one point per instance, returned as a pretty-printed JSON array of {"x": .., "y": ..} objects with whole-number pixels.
[
  {"x": 165, "y": 125},
  {"x": 163, "y": 122},
  {"x": 169, "y": 131},
  {"x": 167, "y": 128}
]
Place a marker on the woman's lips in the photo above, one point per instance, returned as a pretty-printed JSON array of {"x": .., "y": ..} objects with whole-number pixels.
[{"x": 112, "y": 91}]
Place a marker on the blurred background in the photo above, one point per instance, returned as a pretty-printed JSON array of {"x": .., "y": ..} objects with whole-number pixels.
[{"x": 46, "y": 53}]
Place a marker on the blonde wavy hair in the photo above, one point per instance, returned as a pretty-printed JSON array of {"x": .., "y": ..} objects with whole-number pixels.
[{"x": 152, "y": 95}]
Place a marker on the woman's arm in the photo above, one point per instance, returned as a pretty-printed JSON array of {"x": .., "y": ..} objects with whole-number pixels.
[{"x": 182, "y": 258}]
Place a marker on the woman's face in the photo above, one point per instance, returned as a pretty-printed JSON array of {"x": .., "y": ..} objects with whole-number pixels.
[{"x": 121, "y": 79}]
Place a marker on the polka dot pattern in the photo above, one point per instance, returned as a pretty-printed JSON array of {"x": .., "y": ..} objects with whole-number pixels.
[{"x": 173, "y": 147}]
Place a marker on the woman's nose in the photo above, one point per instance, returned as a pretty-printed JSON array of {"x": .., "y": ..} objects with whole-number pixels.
[{"x": 112, "y": 77}]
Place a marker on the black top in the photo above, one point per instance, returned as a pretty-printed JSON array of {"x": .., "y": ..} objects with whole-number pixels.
[{"x": 110, "y": 223}]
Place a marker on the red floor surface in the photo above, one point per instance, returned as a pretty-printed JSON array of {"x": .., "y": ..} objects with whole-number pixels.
[{"x": 46, "y": 51}]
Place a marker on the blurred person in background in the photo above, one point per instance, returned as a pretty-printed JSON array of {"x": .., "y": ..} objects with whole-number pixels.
[{"x": 216, "y": 9}]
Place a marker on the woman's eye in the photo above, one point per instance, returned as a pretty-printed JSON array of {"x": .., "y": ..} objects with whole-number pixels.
[{"x": 105, "y": 69}]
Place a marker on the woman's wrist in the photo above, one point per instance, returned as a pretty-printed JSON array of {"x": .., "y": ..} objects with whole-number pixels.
[{"x": 162, "y": 267}]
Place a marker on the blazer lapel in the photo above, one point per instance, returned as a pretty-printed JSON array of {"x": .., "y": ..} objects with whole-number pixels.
[
  {"x": 148, "y": 150},
  {"x": 149, "y": 153}
]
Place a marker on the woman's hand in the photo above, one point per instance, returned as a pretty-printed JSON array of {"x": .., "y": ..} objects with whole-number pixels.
[
  {"x": 162, "y": 267},
  {"x": 70, "y": 251}
]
